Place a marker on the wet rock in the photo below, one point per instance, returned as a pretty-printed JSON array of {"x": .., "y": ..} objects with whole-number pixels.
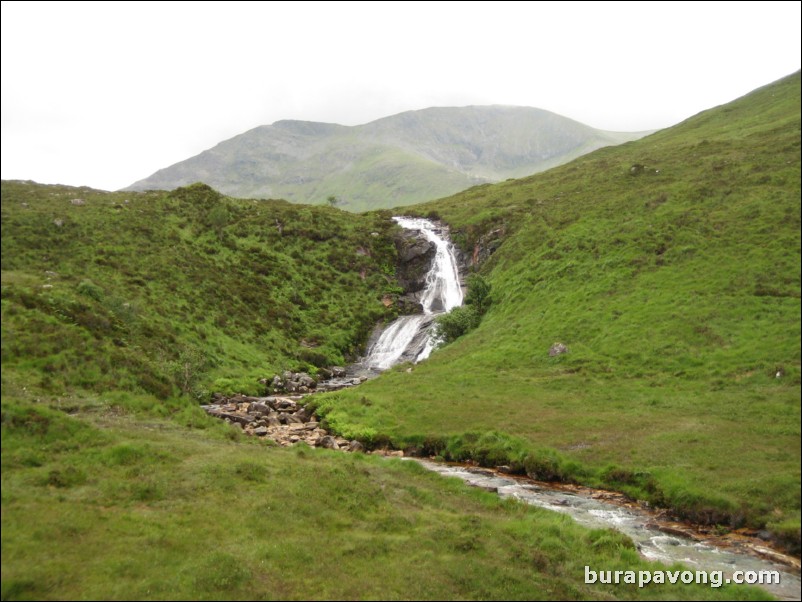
[{"x": 306, "y": 381}]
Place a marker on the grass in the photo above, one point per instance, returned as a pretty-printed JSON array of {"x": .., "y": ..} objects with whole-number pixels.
[
  {"x": 183, "y": 291},
  {"x": 114, "y": 504},
  {"x": 670, "y": 267}
]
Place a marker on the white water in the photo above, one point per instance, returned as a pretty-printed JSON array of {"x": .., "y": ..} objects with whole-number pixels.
[
  {"x": 652, "y": 543},
  {"x": 409, "y": 337}
]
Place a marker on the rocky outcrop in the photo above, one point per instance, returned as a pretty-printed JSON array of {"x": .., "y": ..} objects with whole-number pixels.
[
  {"x": 415, "y": 257},
  {"x": 281, "y": 419},
  {"x": 486, "y": 246}
]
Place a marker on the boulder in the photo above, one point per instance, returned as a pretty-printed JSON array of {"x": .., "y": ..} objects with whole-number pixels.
[
  {"x": 260, "y": 431},
  {"x": 355, "y": 446},
  {"x": 328, "y": 442},
  {"x": 305, "y": 380}
]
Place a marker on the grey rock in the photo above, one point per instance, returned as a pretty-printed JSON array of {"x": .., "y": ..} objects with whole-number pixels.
[
  {"x": 355, "y": 446},
  {"x": 557, "y": 349},
  {"x": 328, "y": 442}
]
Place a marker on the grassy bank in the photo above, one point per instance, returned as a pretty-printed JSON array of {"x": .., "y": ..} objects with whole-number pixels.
[
  {"x": 115, "y": 503},
  {"x": 670, "y": 268}
]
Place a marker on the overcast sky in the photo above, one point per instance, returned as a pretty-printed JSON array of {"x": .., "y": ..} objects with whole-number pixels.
[{"x": 105, "y": 93}]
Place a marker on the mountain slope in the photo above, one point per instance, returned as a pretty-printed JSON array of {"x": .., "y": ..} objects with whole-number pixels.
[
  {"x": 670, "y": 268},
  {"x": 186, "y": 290},
  {"x": 399, "y": 160}
]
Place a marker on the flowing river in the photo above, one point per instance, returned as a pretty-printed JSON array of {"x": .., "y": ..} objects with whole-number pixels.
[{"x": 409, "y": 339}]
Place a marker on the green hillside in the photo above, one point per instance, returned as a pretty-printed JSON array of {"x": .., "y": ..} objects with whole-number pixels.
[
  {"x": 187, "y": 290},
  {"x": 398, "y": 160},
  {"x": 670, "y": 268},
  {"x": 120, "y": 311}
]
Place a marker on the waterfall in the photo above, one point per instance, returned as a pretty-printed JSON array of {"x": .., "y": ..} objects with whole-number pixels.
[{"x": 409, "y": 337}]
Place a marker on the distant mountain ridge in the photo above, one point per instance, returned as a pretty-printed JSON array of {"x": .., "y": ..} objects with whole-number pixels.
[{"x": 398, "y": 160}]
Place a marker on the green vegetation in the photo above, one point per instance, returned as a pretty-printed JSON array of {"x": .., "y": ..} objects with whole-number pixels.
[
  {"x": 187, "y": 290},
  {"x": 115, "y": 505},
  {"x": 465, "y": 318},
  {"x": 670, "y": 268}
]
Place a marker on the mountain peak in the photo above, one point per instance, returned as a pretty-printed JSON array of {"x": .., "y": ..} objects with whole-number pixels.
[{"x": 397, "y": 160}]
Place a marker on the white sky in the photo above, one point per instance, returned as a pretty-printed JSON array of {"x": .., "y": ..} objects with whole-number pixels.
[{"x": 105, "y": 93}]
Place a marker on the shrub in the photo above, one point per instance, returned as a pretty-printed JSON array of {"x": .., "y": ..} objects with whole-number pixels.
[
  {"x": 91, "y": 290},
  {"x": 456, "y": 323}
]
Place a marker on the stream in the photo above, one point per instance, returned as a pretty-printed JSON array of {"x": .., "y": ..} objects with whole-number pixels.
[
  {"x": 409, "y": 339},
  {"x": 646, "y": 529}
]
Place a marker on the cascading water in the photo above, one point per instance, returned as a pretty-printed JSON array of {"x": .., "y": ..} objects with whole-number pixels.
[{"x": 409, "y": 337}]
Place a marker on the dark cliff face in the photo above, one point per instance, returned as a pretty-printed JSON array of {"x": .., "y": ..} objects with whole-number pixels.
[{"x": 415, "y": 258}]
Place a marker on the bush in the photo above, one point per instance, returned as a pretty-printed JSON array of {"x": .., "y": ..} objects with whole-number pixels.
[
  {"x": 456, "y": 323},
  {"x": 91, "y": 290},
  {"x": 478, "y": 293}
]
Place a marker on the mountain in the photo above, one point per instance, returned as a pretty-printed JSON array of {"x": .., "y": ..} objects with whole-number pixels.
[
  {"x": 670, "y": 269},
  {"x": 399, "y": 160}
]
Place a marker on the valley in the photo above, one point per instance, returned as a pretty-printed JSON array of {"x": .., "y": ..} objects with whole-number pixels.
[{"x": 667, "y": 269}]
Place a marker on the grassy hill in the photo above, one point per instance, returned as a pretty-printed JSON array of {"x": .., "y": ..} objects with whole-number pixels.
[
  {"x": 399, "y": 160},
  {"x": 183, "y": 291},
  {"x": 119, "y": 311},
  {"x": 670, "y": 267}
]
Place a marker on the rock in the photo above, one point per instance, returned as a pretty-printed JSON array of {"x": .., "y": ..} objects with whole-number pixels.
[
  {"x": 355, "y": 446},
  {"x": 557, "y": 349},
  {"x": 277, "y": 383},
  {"x": 415, "y": 255},
  {"x": 282, "y": 403},
  {"x": 273, "y": 420},
  {"x": 306, "y": 381},
  {"x": 58, "y": 222},
  {"x": 292, "y": 419},
  {"x": 260, "y": 409},
  {"x": 328, "y": 442},
  {"x": 260, "y": 431},
  {"x": 337, "y": 371},
  {"x": 78, "y": 202}
]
